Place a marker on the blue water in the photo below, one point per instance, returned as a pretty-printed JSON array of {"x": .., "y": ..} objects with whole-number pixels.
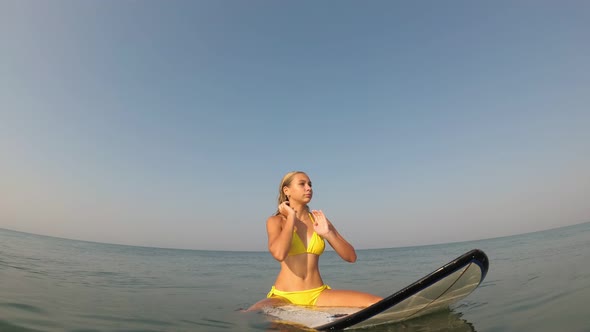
[{"x": 536, "y": 282}]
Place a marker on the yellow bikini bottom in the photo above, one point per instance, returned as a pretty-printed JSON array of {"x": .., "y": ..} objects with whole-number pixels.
[{"x": 304, "y": 297}]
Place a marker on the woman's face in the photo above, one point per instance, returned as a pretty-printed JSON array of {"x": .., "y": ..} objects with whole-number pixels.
[{"x": 300, "y": 188}]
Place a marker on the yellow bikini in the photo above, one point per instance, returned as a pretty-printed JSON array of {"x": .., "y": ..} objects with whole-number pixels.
[
  {"x": 316, "y": 246},
  {"x": 304, "y": 297}
]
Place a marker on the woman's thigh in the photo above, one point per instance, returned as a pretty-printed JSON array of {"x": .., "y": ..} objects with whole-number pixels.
[{"x": 346, "y": 298}]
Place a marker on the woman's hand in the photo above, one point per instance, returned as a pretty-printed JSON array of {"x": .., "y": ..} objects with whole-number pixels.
[
  {"x": 285, "y": 209},
  {"x": 321, "y": 224},
  {"x": 326, "y": 230}
]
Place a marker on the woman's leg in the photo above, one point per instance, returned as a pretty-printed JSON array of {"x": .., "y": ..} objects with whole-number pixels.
[{"x": 346, "y": 298}]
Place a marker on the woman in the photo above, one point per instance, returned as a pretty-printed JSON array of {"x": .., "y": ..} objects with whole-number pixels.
[{"x": 296, "y": 238}]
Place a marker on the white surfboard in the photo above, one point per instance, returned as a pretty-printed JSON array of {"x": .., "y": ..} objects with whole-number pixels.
[{"x": 436, "y": 291}]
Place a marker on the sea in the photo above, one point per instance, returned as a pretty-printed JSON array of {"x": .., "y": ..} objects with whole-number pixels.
[{"x": 536, "y": 282}]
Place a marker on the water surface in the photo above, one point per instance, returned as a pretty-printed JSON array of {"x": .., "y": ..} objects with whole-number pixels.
[{"x": 536, "y": 282}]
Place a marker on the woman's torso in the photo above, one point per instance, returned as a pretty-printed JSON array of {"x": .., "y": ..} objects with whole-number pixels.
[{"x": 300, "y": 271}]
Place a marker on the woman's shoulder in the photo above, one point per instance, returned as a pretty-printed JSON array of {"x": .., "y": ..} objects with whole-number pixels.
[{"x": 277, "y": 220}]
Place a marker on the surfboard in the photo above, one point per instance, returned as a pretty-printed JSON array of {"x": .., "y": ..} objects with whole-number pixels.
[{"x": 436, "y": 291}]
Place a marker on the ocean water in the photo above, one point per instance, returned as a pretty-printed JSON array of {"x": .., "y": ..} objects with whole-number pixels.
[{"x": 536, "y": 282}]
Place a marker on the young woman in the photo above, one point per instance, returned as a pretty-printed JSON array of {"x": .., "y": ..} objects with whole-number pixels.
[{"x": 296, "y": 238}]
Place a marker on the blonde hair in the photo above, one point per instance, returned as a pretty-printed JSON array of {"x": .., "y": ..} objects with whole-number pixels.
[{"x": 286, "y": 181}]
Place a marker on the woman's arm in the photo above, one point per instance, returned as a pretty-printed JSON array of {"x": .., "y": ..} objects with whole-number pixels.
[
  {"x": 325, "y": 229},
  {"x": 279, "y": 234}
]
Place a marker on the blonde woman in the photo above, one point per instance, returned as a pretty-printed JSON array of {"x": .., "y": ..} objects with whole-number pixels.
[{"x": 296, "y": 238}]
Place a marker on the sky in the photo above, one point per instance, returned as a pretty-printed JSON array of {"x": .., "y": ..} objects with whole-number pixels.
[{"x": 171, "y": 123}]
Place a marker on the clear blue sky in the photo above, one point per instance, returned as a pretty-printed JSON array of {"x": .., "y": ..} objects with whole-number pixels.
[{"x": 171, "y": 123}]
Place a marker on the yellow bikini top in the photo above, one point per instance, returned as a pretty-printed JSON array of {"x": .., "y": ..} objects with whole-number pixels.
[{"x": 315, "y": 245}]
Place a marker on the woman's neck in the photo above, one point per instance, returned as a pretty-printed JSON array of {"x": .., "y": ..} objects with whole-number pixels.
[{"x": 301, "y": 211}]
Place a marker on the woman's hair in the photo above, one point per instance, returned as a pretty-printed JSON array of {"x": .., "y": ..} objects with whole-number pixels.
[{"x": 286, "y": 181}]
